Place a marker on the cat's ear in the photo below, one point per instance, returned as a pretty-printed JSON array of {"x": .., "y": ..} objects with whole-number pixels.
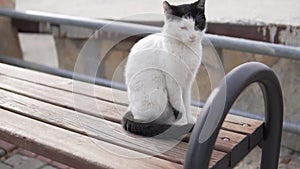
[
  {"x": 167, "y": 7},
  {"x": 200, "y": 4}
]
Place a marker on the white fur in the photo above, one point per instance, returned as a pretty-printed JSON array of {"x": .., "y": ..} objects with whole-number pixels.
[{"x": 160, "y": 71}]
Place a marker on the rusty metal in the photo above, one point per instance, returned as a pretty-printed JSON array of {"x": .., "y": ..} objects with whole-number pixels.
[
  {"x": 274, "y": 33},
  {"x": 26, "y": 26}
]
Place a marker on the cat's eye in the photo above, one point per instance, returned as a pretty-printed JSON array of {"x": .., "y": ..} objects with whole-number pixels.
[{"x": 183, "y": 27}]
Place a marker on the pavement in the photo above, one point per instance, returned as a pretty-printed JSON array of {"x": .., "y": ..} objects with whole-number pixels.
[
  {"x": 13, "y": 157},
  {"x": 289, "y": 159}
]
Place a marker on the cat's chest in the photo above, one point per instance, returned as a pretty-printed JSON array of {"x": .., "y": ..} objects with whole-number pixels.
[{"x": 186, "y": 56}]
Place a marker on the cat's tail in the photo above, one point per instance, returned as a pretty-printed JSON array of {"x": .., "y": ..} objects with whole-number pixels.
[{"x": 151, "y": 129}]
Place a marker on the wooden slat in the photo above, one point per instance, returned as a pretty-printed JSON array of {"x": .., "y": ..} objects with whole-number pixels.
[
  {"x": 247, "y": 124},
  {"x": 81, "y": 123},
  {"x": 71, "y": 148},
  {"x": 63, "y": 98},
  {"x": 253, "y": 128},
  {"x": 216, "y": 163},
  {"x": 53, "y": 81},
  {"x": 95, "y": 127},
  {"x": 233, "y": 143}
]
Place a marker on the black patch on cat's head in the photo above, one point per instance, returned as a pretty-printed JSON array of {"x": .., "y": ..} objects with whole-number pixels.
[{"x": 195, "y": 10}]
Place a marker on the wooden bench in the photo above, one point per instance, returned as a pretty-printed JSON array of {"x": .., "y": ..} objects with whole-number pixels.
[{"x": 78, "y": 124}]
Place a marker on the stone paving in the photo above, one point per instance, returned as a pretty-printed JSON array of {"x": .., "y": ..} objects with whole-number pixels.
[
  {"x": 289, "y": 159},
  {"x": 12, "y": 157}
]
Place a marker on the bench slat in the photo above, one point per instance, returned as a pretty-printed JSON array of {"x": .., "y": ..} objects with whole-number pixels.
[
  {"x": 62, "y": 98},
  {"x": 233, "y": 143},
  {"x": 100, "y": 92},
  {"x": 245, "y": 126},
  {"x": 71, "y": 148},
  {"x": 215, "y": 163}
]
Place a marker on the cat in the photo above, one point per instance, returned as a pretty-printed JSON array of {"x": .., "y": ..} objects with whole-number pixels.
[{"x": 160, "y": 71}]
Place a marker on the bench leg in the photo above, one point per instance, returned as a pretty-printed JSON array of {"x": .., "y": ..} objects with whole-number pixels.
[{"x": 272, "y": 128}]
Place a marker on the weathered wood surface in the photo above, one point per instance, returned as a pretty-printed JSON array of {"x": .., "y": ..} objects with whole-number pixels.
[
  {"x": 49, "y": 99},
  {"x": 84, "y": 124},
  {"x": 75, "y": 149}
]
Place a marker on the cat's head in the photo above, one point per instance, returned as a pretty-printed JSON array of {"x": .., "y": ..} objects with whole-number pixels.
[{"x": 186, "y": 22}]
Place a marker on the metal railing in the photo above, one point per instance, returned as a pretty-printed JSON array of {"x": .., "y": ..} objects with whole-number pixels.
[
  {"x": 223, "y": 42},
  {"x": 244, "y": 45}
]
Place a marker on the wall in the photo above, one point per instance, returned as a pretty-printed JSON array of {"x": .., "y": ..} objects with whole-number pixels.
[{"x": 9, "y": 43}]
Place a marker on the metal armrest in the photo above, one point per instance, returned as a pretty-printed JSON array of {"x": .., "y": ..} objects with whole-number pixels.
[{"x": 207, "y": 128}]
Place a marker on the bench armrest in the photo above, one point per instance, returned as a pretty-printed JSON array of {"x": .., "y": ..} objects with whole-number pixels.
[{"x": 207, "y": 127}]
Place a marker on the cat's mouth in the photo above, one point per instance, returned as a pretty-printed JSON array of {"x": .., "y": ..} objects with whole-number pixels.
[{"x": 192, "y": 40}]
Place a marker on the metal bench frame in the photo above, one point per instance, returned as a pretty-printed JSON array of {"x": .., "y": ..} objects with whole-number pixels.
[{"x": 234, "y": 83}]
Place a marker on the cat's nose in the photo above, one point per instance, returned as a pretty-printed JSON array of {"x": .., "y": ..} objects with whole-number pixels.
[{"x": 193, "y": 37}]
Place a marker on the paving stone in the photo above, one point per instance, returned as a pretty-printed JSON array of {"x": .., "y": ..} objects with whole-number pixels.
[
  {"x": 22, "y": 162},
  {"x": 288, "y": 159},
  {"x": 49, "y": 167},
  {"x": 7, "y": 146},
  {"x": 285, "y": 152},
  {"x": 2, "y": 152},
  {"x": 5, "y": 166},
  {"x": 43, "y": 159},
  {"x": 26, "y": 153},
  {"x": 59, "y": 165}
]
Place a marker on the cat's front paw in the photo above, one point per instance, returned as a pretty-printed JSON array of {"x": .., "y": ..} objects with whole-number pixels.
[
  {"x": 192, "y": 120},
  {"x": 180, "y": 122}
]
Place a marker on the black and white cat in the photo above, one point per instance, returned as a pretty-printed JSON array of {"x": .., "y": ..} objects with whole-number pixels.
[{"x": 161, "y": 69}]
